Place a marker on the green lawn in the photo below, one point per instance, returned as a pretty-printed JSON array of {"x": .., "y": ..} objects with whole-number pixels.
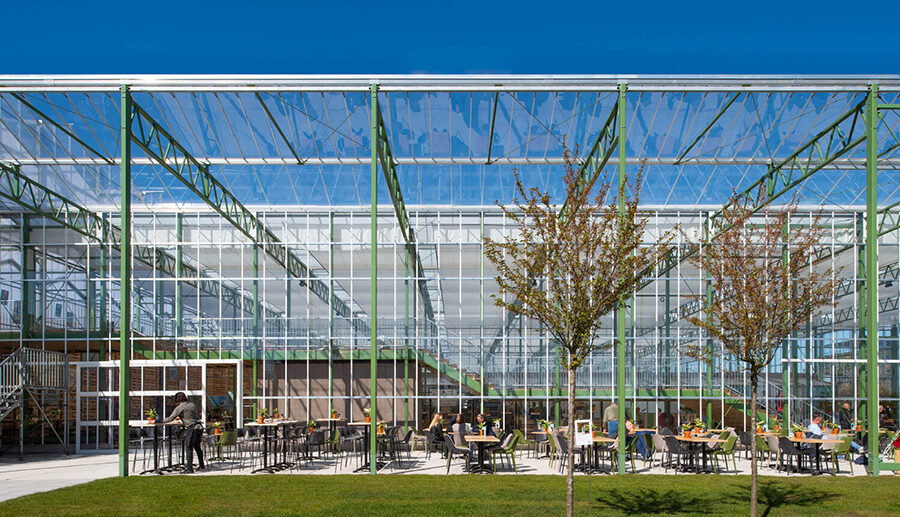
[{"x": 461, "y": 495}]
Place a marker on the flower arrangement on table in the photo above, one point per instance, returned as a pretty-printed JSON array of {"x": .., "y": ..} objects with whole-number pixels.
[
  {"x": 276, "y": 414},
  {"x": 761, "y": 428},
  {"x": 334, "y": 413},
  {"x": 311, "y": 424},
  {"x": 797, "y": 429},
  {"x": 261, "y": 415},
  {"x": 380, "y": 429},
  {"x": 151, "y": 415},
  {"x": 776, "y": 425},
  {"x": 368, "y": 413},
  {"x": 217, "y": 428},
  {"x": 545, "y": 425},
  {"x": 857, "y": 424},
  {"x": 686, "y": 429},
  {"x": 480, "y": 428}
]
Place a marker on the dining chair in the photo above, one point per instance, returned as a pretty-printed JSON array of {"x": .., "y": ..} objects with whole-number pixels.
[{"x": 451, "y": 449}]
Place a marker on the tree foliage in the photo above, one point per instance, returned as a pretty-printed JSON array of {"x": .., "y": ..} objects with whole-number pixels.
[
  {"x": 767, "y": 285},
  {"x": 569, "y": 267}
]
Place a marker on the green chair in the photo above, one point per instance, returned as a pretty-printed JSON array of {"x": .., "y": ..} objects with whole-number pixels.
[
  {"x": 725, "y": 451},
  {"x": 630, "y": 452},
  {"x": 528, "y": 444},
  {"x": 648, "y": 446},
  {"x": 842, "y": 449},
  {"x": 762, "y": 447},
  {"x": 509, "y": 451},
  {"x": 552, "y": 444}
]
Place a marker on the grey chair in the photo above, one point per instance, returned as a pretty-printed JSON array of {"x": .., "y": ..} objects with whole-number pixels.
[{"x": 452, "y": 450}]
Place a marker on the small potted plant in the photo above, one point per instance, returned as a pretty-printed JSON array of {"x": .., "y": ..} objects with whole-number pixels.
[
  {"x": 835, "y": 429},
  {"x": 334, "y": 413},
  {"x": 368, "y": 412},
  {"x": 276, "y": 413},
  {"x": 858, "y": 424},
  {"x": 380, "y": 429},
  {"x": 760, "y": 429},
  {"x": 797, "y": 430},
  {"x": 686, "y": 429},
  {"x": 311, "y": 424},
  {"x": 217, "y": 428},
  {"x": 261, "y": 416},
  {"x": 777, "y": 426},
  {"x": 699, "y": 426},
  {"x": 151, "y": 416},
  {"x": 497, "y": 425}
]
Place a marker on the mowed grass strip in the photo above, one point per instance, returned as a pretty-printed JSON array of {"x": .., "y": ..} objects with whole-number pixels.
[{"x": 542, "y": 496}]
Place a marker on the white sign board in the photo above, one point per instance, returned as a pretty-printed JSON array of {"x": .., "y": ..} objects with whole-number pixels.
[{"x": 583, "y": 439}]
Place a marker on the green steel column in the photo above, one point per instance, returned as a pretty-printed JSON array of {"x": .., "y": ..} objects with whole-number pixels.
[
  {"x": 872, "y": 276},
  {"x": 179, "y": 261},
  {"x": 709, "y": 366},
  {"x": 125, "y": 279},
  {"x": 373, "y": 321},
  {"x": 786, "y": 351},
  {"x": 103, "y": 297},
  {"x": 620, "y": 314},
  {"x": 331, "y": 312},
  {"x": 26, "y": 285},
  {"x": 406, "y": 339},
  {"x": 255, "y": 327}
]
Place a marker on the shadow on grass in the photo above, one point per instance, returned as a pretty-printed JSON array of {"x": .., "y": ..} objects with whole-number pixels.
[
  {"x": 648, "y": 500},
  {"x": 775, "y": 494}
]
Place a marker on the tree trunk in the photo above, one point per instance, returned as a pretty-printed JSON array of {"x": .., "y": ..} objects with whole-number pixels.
[
  {"x": 754, "y": 381},
  {"x": 570, "y": 468}
]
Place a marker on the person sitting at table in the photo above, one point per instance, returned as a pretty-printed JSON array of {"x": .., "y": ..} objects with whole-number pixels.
[
  {"x": 488, "y": 425},
  {"x": 436, "y": 431},
  {"x": 815, "y": 428},
  {"x": 193, "y": 431}
]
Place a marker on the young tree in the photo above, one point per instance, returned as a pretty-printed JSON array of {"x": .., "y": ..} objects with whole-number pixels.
[
  {"x": 569, "y": 267},
  {"x": 766, "y": 287}
]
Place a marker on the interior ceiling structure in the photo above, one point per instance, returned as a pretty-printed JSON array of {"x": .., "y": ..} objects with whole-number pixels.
[
  {"x": 299, "y": 141},
  {"x": 277, "y": 142}
]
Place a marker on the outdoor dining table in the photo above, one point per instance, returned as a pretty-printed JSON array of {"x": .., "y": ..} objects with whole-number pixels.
[
  {"x": 365, "y": 466},
  {"x": 544, "y": 433},
  {"x": 703, "y": 442},
  {"x": 818, "y": 445},
  {"x": 480, "y": 441},
  {"x": 156, "y": 427},
  {"x": 593, "y": 462},
  {"x": 265, "y": 426}
]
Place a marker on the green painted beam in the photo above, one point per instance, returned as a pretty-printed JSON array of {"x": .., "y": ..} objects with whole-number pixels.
[
  {"x": 389, "y": 169},
  {"x": 709, "y": 126},
  {"x": 871, "y": 291},
  {"x": 620, "y": 312},
  {"x": 373, "y": 286},
  {"x": 43, "y": 201},
  {"x": 125, "y": 282},
  {"x": 164, "y": 149}
]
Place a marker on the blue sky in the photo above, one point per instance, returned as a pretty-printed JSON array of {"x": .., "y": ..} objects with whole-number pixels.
[{"x": 450, "y": 37}]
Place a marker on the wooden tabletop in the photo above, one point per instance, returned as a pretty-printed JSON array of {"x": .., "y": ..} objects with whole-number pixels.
[
  {"x": 270, "y": 423},
  {"x": 366, "y": 423},
  {"x": 539, "y": 432},
  {"x": 331, "y": 419},
  {"x": 811, "y": 440},
  {"x": 481, "y": 438},
  {"x": 158, "y": 424},
  {"x": 698, "y": 439},
  {"x": 640, "y": 429},
  {"x": 604, "y": 439}
]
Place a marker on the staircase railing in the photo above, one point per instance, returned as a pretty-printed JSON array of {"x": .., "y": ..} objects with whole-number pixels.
[{"x": 11, "y": 376}]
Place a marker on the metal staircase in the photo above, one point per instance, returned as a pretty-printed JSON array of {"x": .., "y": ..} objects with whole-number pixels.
[{"x": 29, "y": 371}]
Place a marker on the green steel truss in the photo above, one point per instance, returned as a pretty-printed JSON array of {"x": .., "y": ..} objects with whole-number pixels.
[
  {"x": 162, "y": 147},
  {"x": 814, "y": 155},
  {"x": 389, "y": 168},
  {"x": 43, "y": 201}
]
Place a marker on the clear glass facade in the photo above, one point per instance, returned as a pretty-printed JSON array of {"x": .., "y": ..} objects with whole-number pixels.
[{"x": 234, "y": 329}]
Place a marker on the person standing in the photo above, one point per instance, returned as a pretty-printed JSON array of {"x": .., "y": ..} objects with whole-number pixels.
[
  {"x": 611, "y": 414},
  {"x": 845, "y": 417},
  {"x": 193, "y": 430}
]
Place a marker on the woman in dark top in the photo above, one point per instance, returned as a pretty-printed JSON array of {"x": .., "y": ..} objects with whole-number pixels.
[{"x": 193, "y": 430}]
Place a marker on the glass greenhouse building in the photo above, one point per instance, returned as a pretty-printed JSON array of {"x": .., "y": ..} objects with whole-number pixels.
[{"x": 229, "y": 223}]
